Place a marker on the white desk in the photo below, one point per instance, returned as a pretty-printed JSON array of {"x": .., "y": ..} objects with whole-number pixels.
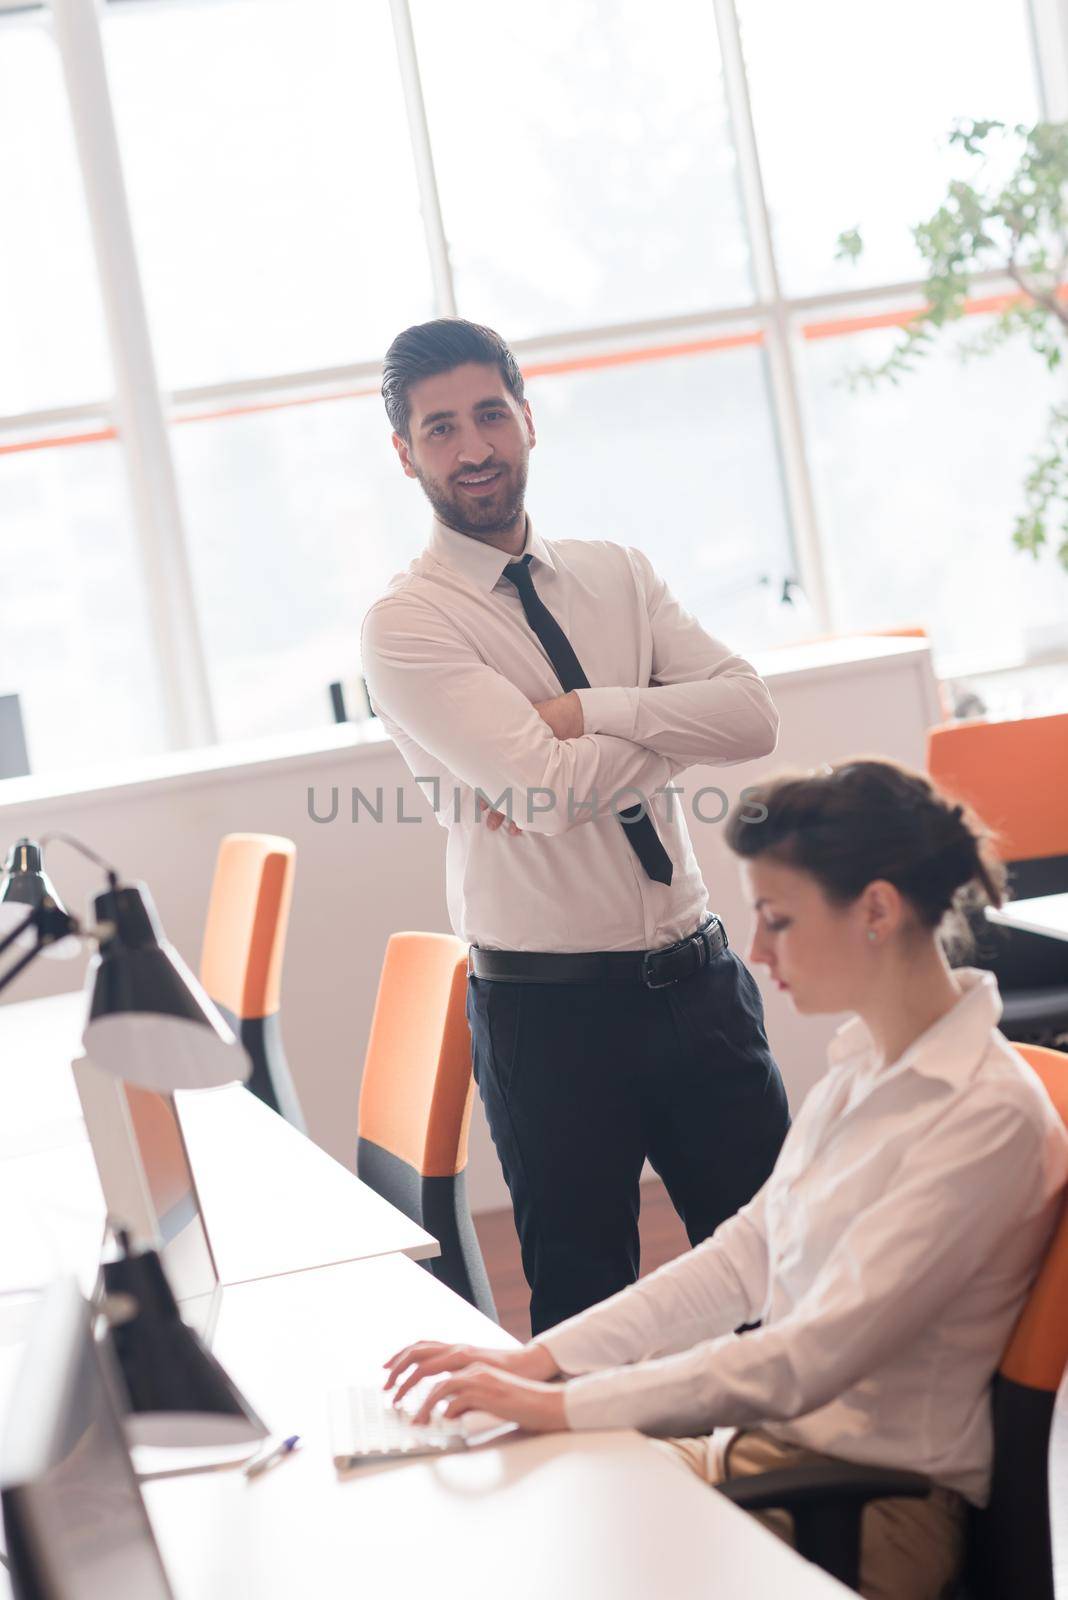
[
  {"x": 564, "y": 1515},
  {"x": 1047, "y": 913},
  {"x": 274, "y": 1201}
]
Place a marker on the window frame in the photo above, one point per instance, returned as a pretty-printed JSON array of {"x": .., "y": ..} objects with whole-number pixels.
[{"x": 140, "y": 415}]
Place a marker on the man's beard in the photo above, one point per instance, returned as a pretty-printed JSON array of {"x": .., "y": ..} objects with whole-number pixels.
[{"x": 478, "y": 518}]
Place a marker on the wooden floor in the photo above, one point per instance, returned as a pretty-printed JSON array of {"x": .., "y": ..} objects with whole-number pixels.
[{"x": 663, "y": 1237}]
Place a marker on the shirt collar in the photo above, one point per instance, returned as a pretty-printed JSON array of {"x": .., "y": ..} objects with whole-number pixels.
[
  {"x": 950, "y": 1049},
  {"x": 482, "y": 564}
]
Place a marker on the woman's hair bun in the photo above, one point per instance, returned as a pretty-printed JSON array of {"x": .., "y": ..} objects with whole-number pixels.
[{"x": 868, "y": 819}]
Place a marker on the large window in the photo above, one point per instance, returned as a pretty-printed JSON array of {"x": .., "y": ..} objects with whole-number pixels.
[
  {"x": 584, "y": 159},
  {"x": 198, "y": 497},
  {"x": 52, "y": 346},
  {"x": 271, "y": 183}
]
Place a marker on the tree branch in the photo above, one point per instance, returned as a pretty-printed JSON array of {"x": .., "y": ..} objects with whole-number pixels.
[{"x": 1048, "y": 301}]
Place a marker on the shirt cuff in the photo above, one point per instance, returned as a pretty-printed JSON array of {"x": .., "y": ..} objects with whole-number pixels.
[
  {"x": 565, "y": 1349},
  {"x": 613, "y": 711},
  {"x": 595, "y": 1402}
]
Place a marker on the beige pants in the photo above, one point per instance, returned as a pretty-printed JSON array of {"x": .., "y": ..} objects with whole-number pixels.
[{"x": 909, "y": 1549}]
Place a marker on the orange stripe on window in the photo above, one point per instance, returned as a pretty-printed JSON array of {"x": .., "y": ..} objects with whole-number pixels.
[
  {"x": 592, "y": 363},
  {"x": 837, "y": 326},
  {"x": 97, "y": 437},
  {"x": 254, "y": 407},
  {"x": 659, "y": 352},
  {"x": 829, "y": 329}
]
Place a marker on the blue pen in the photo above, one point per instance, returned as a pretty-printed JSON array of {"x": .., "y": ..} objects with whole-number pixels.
[{"x": 279, "y": 1453}]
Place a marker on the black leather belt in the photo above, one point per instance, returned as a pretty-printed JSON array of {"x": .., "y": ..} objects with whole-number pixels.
[{"x": 656, "y": 969}]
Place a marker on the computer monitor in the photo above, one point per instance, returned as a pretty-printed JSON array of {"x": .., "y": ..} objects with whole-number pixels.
[
  {"x": 75, "y": 1524},
  {"x": 148, "y": 1185}
]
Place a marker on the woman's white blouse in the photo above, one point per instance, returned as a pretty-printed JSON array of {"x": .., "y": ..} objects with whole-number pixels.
[{"x": 887, "y": 1258}]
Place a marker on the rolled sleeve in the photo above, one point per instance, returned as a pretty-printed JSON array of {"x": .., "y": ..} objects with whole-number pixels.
[{"x": 609, "y": 711}]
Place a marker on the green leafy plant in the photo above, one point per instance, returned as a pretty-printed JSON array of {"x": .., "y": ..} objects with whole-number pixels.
[{"x": 1012, "y": 217}]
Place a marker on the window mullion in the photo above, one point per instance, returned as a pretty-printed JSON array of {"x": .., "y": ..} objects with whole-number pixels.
[
  {"x": 785, "y": 396},
  {"x": 140, "y": 417},
  {"x": 426, "y": 179},
  {"x": 1049, "y": 36}
]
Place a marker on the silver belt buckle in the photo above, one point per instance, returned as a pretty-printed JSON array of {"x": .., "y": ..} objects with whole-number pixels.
[
  {"x": 701, "y": 939},
  {"x": 649, "y": 981}
]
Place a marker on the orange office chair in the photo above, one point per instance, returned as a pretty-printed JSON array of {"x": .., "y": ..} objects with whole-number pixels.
[
  {"x": 241, "y": 961},
  {"x": 1012, "y": 775},
  {"x": 1009, "y": 1554},
  {"x": 415, "y": 1102}
]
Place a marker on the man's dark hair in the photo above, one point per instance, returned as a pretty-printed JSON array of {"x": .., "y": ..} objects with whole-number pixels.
[{"x": 432, "y": 347}]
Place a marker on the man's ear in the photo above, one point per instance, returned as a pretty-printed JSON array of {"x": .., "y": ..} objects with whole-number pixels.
[
  {"x": 404, "y": 451},
  {"x": 528, "y": 418}
]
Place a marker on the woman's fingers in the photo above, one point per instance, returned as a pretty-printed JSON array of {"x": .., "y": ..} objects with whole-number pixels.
[
  {"x": 448, "y": 1389},
  {"x": 412, "y": 1354},
  {"x": 538, "y": 1407},
  {"x": 425, "y": 1369}
]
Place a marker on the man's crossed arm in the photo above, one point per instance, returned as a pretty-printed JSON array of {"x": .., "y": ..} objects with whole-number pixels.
[{"x": 564, "y": 760}]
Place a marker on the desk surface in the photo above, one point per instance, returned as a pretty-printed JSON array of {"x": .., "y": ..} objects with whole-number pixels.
[
  {"x": 561, "y": 1515},
  {"x": 1047, "y": 913},
  {"x": 274, "y": 1202}
]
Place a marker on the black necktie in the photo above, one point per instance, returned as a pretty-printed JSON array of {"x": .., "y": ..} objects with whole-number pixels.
[{"x": 641, "y": 835}]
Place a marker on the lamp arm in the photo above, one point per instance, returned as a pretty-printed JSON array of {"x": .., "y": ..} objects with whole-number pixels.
[
  {"x": 50, "y": 924},
  {"x": 83, "y": 849},
  {"x": 9, "y": 938},
  {"x": 24, "y": 960}
]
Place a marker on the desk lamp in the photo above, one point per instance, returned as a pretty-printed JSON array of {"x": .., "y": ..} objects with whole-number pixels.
[
  {"x": 150, "y": 1022},
  {"x": 179, "y": 1394}
]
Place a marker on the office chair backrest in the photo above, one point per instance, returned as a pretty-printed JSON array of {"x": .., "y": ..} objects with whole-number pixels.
[
  {"x": 241, "y": 959},
  {"x": 416, "y": 1098},
  {"x": 1011, "y": 773},
  {"x": 1013, "y": 1538}
]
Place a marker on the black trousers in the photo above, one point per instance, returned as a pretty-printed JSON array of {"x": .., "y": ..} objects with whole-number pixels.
[{"x": 582, "y": 1081}]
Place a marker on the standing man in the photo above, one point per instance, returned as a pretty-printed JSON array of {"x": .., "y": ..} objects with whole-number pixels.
[{"x": 549, "y": 693}]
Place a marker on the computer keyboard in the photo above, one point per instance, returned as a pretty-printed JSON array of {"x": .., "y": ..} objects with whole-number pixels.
[{"x": 366, "y": 1426}]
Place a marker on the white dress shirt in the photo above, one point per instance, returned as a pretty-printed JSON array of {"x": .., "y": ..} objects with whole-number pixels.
[
  {"x": 454, "y": 669},
  {"x": 887, "y": 1258}
]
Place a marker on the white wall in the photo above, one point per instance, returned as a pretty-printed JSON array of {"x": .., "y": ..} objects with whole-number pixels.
[{"x": 358, "y": 883}]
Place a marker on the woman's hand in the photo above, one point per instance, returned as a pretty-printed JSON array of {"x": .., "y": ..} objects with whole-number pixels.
[
  {"x": 429, "y": 1357},
  {"x": 537, "y": 1407}
]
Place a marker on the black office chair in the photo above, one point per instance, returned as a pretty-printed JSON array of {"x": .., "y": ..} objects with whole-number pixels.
[{"x": 1009, "y": 1545}]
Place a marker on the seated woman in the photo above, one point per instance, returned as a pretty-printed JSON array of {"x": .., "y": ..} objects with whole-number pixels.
[{"x": 888, "y": 1255}]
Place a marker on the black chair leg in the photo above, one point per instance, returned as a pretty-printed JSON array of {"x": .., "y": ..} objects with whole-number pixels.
[{"x": 829, "y": 1535}]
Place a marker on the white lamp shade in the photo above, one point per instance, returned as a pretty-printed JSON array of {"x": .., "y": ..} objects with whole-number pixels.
[
  {"x": 185, "y": 1430},
  {"x": 165, "y": 1053}
]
